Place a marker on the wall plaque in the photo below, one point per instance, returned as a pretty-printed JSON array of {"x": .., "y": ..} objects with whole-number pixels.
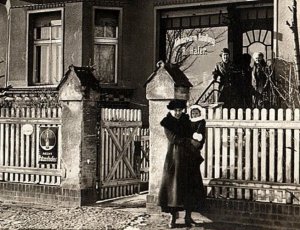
[
  {"x": 27, "y": 129},
  {"x": 48, "y": 145}
]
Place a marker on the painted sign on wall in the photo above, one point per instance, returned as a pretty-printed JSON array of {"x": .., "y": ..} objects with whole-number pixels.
[
  {"x": 196, "y": 51},
  {"x": 48, "y": 146}
]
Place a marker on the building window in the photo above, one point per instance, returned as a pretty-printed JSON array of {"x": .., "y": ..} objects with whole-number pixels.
[
  {"x": 45, "y": 48},
  {"x": 106, "y": 34},
  {"x": 258, "y": 41}
]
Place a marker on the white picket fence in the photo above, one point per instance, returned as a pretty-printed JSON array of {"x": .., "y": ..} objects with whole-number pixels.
[
  {"x": 252, "y": 154},
  {"x": 19, "y": 152}
]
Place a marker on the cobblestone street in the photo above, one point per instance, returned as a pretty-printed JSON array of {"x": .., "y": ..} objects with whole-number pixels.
[{"x": 127, "y": 213}]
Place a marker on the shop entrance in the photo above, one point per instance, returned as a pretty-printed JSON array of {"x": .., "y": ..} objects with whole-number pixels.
[
  {"x": 256, "y": 34},
  {"x": 193, "y": 38}
]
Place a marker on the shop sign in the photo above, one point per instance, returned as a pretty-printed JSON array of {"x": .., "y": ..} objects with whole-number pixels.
[
  {"x": 196, "y": 51},
  {"x": 48, "y": 146}
]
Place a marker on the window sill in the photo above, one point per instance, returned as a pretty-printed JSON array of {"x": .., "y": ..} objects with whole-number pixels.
[{"x": 33, "y": 88}]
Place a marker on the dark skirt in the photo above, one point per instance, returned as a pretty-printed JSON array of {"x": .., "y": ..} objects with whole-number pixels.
[{"x": 182, "y": 186}]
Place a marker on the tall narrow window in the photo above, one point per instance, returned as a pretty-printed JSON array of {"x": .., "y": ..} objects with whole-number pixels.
[
  {"x": 45, "y": 48},
  {"x": 106, "y": 45}
]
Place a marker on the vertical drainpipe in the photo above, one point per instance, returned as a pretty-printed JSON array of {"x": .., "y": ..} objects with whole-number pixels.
[
  {"x": 8, "y": 10},
  {"x": 275, "y": 21},
  {"x": 156, "y": 35}
]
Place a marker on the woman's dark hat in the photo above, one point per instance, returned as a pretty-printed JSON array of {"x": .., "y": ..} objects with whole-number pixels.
[
  {"x": 176, "y": 104},
  {"x": 224, "y": 51}
]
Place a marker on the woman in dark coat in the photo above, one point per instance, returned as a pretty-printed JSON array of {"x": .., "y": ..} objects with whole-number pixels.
[
  {"x": 182, "y": 186},
  {"x": 225, "y": 72}
]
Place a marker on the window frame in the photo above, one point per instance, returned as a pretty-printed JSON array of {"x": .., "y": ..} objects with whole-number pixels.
[
  {"x": 110, "y": 41},
  {"x": 31, "y": 75}
]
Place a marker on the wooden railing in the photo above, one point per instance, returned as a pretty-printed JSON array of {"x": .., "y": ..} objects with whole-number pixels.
[
  {"x": 20, "y": 133},
  {"x": 210, "y": 95},
  {"x": 253, "y": 154}
]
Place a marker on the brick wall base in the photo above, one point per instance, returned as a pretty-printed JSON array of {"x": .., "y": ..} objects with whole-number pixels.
[
  {"x": 256, "y": 215},
  {"x": 45, "y": 195}
]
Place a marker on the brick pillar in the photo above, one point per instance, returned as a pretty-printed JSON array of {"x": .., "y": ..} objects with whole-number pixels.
[{"x": 79, "y": 138}]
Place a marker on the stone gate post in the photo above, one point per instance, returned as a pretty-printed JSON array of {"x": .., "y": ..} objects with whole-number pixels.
[
  {"x": 79, "y": 134},
  {"x": 166, "y": 83}
]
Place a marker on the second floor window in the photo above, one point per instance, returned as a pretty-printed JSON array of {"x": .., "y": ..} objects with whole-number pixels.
[
  {"x": 106, "y": 33},
  {"x": 45, "y": 48}
]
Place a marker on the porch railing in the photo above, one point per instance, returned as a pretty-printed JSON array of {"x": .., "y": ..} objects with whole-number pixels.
[
  {"x": 253, "y": 154},
  {"x": 211, "y": 94}
]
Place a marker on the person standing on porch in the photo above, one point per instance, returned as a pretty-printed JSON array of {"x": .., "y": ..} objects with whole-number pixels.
[
  {"x": 181, "y": 187},
  {"x": 224, "y": 73},
  {"x": 259, "y": 79}
]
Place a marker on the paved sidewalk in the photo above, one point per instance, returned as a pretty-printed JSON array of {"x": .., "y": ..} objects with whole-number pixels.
[
  {"x": 137, "y": 204},
  {"x": 127, "y": 213}
]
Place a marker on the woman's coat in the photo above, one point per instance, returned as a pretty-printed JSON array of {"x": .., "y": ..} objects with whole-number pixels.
[{"x": 182, "y": 186}]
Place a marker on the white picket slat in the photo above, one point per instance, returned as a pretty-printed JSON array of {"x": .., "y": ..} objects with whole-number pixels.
[
  {"x": 288, "y": 148},
  {"x": 232, "y": 152},
  {"x": 272, "y": 148},
  {"x": 263, "y": 152},
  {"x": 1, "y": 143},
  {"x": 240, "y": 167},
  {"x": 255, "y": 146},
  {"x": 210, "y": 147},
  {"x": 296, "y": 149},
  {"x": 280, "y": 149},
  {"x": 217, "y": 144},
  {"x": 248, "y": 154}
]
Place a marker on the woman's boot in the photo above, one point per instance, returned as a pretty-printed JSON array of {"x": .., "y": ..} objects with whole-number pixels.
[
  {"x": 189, "y": 222},
  {"x": 172, "y": 222}
]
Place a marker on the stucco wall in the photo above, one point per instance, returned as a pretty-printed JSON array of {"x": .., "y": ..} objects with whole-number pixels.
[
  {"x": 158, "y": 144},
  {"x": 285, "y": 36},
  {"x": 139, "y": 54},
  {"x": 73, "y": 35}
]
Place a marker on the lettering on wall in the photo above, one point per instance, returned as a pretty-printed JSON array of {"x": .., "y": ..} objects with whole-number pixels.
[{"x": 196, "y": 51}]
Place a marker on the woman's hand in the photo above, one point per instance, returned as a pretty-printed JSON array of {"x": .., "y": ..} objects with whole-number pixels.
[{"x": 195, "y": 143}]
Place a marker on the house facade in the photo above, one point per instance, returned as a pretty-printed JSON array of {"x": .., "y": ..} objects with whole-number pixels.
[{"x": 121, "y": 41}]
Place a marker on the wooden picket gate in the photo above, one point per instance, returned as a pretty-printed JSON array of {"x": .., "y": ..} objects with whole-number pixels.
[
  {"x": 144, "y": 162},
  {"x": 253, "y": 154},
  {"x": 119, "y": 161}
]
